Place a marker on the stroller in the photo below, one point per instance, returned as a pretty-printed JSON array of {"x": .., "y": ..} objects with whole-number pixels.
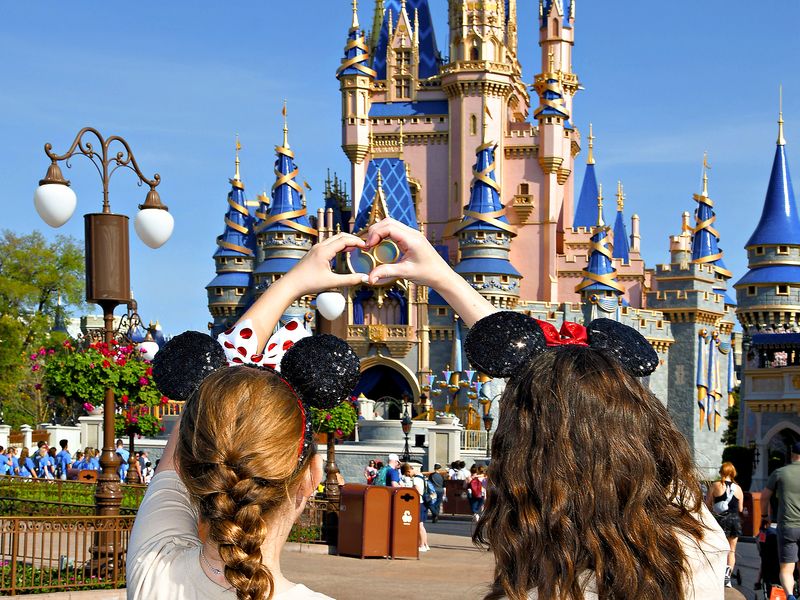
[{"x": 768, "y": 551}]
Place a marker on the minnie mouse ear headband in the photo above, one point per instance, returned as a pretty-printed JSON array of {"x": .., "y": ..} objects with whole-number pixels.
[
  {"x": 187, "y": 359},
  {"x": 503, "y": 342}
]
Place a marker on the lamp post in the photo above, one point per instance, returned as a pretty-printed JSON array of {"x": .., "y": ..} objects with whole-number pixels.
[
  {"x": 406, "y": 424},
  {"x": 488, "y": 419},
  {"x": 107, "y": 263}
]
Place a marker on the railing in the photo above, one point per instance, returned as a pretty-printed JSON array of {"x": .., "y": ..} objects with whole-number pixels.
[
  {"x": 318, "y": 524},
  {"x": 468, "y": 416},
  {"x": 24, "y": 496},
  {"x": 172, "y": 408},
  {"x": 473, "y": 440},
  {"x": 43, "y": 554}
]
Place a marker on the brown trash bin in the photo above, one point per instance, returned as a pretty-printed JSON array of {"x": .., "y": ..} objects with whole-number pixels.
[
  {"x": 752, "y": 521},
  {"x": 405, "y": 523},
  {"x": 457, "y": 501},
  {"x": 364, "y": 520}
]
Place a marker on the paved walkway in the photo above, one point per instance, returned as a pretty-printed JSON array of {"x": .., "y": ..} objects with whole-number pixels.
[{"x": 453, "y": 568}]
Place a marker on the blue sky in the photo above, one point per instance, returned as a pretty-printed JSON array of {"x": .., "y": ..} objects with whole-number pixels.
[{"x": 179, "y": 79}]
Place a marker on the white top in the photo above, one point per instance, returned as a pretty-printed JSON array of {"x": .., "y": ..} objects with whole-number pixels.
[
  {"x": 706, "y": 560},
  {"x": 164, "y": 550}
]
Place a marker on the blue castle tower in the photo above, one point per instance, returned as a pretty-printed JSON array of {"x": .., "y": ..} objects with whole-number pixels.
[
  {"x": 769, "y": 312},
  {"x": 230, "y": 292}
]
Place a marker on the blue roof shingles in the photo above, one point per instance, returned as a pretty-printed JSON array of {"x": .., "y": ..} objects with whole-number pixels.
[
  {"x": 779, "y": 222},
  {"x": 599, "y": 265},
  {"x": 409, "y": 109},
  {"x": 770, "y": 275},
  {"x": 429, "y": 57},
  {"x": 286, "y": 198},
  {"x": 233, "y": 241},
  {"x": 622, "y": 248},
  {"x": 586, "y": 212},
  {"x": 395, "y": 190},
  {"x": 494, "y": 266},
  {"x": 356, "y": 56},
  {"x": 232, "y": 279},
  {"x": 484, "y": 198}
]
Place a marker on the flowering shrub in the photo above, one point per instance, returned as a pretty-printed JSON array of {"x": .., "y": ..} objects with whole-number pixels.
[
  {"x": 82, "y": 376},
  {"x": 340, "y": 420}
]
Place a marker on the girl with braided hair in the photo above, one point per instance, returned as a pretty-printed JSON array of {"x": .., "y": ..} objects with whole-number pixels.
[
  {"x": 237, "y": 471},
  {"x": 594, "y": 495}
]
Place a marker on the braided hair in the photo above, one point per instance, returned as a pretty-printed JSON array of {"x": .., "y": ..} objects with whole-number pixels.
[{"x": 237, "y": 454}]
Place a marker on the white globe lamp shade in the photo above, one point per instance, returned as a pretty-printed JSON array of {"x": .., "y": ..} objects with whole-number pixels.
[
  {"x": 148, "y": 350},
  {"x": 154, "y": 226},
  {"x": 55, "y": 203},
  {"x": 330, "y": 305}
]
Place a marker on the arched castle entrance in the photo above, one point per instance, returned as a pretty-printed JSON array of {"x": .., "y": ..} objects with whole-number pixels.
[{"x": 389, "y": 381}]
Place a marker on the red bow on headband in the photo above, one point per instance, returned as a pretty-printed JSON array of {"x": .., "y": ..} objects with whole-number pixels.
[{"x": 570, "y": 333}]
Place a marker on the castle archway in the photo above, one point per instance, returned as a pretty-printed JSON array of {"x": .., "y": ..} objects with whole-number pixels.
[{"x": 390, "y": 382}]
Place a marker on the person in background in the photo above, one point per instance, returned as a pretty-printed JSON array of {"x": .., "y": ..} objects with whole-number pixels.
[
  {"x": 4, "y": 462},
  {"x": 26, "y": 466},
  {"x": 14, "y": 466},
  {"x": 474, "y": 486},
  {"x": 418, "y": 482},
  {"x": 79, "y": 464},
  {"x": 143, "y": 460},
  {"x": 38, "y": 454},
  {"x": 45, "y": 468},
  {"x": 370, "y": 472},
  {"x": 91, "y": 458},
  {"x": 124, "y": 456},
  {"x": 393, "y": 472},
  {"x": 463, "y": 472},
  {"x": 785, "y": 484},
  {"x": 726, "y": 502},
  {"x": 452, "y": 472},
  {"x": 437, "y": 479},
  {"x": 63, "y": 460},
  {"x": 148, "y": 472}
]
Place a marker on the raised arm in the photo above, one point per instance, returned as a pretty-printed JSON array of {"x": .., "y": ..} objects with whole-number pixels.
[
  {"x": 312, "y": 274},
  {"x": 423, "y": 265}
]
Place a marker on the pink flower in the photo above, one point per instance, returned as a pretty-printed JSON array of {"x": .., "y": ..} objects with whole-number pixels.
[
  {"x": 339, "y": 432},
  {"x": 88, "y": 406},
  {"x": 106, "y": 364},
  {"x": 51, "y": 352},
  {"x": 121, "y": 362},
  {"x": 42, "y": 351},
  {"x": 38, "y": 386},
  {"x": 34, "y": 356},
  {"x": 162, "y": 428},
  {"x": 164, "y": 400},
  {"x": 142, "y": 350},
  {"x": 36, "y": 367},
  {"x": 134, "y": 420},
  {"x": 91, "y": 365},
  {"x": 124, "y": 398},
  {"x": 328, "y": 416},
  {"x": 149, "y": 371},
  {"x": 143, "y": 381}
]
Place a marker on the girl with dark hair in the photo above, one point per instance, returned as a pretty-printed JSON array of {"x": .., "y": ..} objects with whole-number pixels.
[
  {"x": 239, "y": 468},
  {"x": 594, "y": 494}
]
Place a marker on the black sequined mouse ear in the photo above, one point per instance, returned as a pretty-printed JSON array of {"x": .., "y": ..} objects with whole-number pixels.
[
  {"x": 500, "y": 344},
  {"x": 322, "y": 369},
  {"x": 184, "y": 362},
  {"x": 626, "y": 344}
]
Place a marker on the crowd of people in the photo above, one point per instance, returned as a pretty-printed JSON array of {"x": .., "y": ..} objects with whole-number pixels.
[
  {"x": 569, "y": 514},
  {"x": 49, "y": 462}
]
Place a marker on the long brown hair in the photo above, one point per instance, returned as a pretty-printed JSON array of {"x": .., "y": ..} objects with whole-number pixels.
[
  {"x": 589, "y": 474},
  {"x": 237, "y": 454}
]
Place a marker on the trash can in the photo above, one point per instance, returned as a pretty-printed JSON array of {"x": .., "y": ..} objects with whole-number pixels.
[
  {"x": 457, "y": 501},
  {"x": 364, "y": 520},
  {"x": 405, "y": 523}
]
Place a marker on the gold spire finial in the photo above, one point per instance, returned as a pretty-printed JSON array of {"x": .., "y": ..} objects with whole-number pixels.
[
  {"x": 354, "y": 25},
  {"x": 706, "y": 166},
  {"x": 620, "y": 197},
  {"x": 781, "y": 139},
  {"x": 380, "y": 181},
  {"x": 238, "y": 147},
  {"x": 590, "y": 158},
  {"x": 285, "y": 127},
  {"x": 600, "y": 222}
]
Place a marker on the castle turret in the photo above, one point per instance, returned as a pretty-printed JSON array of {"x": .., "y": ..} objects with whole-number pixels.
[
  {"x": 586, "y": 211},
  {"x": 622, "y": 249},
  {"x": 768, "y": 295},
  {"x": 355, "y": 78},
  {"x": 285, "y": 235},
  {"x": 600, "y": 276},
  {"x": 484, "y": 236},
  {"x": 230, "y": 292}
]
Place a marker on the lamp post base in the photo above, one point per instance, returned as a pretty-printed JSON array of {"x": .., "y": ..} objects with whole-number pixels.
[{"x": 332, "y": 472}]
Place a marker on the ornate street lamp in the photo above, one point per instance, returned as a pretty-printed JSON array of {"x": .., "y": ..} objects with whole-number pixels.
[
  {"x": 406, "y": 424},
  {"x": 488, "y": 419},
  {"x": 107, "y": 265}
]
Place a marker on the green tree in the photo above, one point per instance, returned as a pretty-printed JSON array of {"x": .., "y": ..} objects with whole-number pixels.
[
  {"x": 730, "y": 434},
  {"x": 34, "y": 272}
]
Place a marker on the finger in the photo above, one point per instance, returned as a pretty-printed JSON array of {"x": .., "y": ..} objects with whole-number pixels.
[
  {"x": 349, "y": 279},
  {"x": 344, "y": 240},
  {"x": 402, "y": 234},
  {"x": 387, "y": 271}
]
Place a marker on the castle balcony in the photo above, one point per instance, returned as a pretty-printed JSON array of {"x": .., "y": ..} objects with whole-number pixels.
[
  {"x": 396, "y": 339},
  {"x": 772, "y": 389}
]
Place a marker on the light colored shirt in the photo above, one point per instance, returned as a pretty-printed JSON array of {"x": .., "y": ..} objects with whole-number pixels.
[
  {"x": 706, "y": 560},
  {"x": 164, "y": 550}
]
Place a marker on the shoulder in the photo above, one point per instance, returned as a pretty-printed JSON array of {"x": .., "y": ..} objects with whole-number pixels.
[{"x": 300, "y": 592}]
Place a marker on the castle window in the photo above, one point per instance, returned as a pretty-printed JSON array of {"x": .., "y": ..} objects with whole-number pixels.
[
  {"x": 759, "y": 250},
  {"x": 751, "y": 290},
  {"x": 480, "y": 235},
  {"x": 478, "y": 278},
  {"x": 783, "y": 249},
  {"x": 783, "y": 290},
  {"x": 441, "y": 312},
  {"x": 523, "y": 189},
  {"x": 475, "y": 51},
  {"x": 503, "y": 278},
  {"x": 238, "y": 260},
  {"x": 218, "y": 291},
  {"x": 402, "y": 88},
  {"x": 387, "y": 121},
  {"x": 403, "y": 61},
  {"x": 473, "y": 125},
  {"x": 441, "y": 119},
  {"x": 428, "y": 120},
  {"x": 278, "y": 236},
  {"x": 414, "y": 120},
  {"x": 240, "y": 291}
]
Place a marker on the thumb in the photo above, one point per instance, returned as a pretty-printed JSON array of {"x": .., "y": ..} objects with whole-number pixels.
[
  {"x": 386, "y": 271},
  {"x": 349, "y": 279}
]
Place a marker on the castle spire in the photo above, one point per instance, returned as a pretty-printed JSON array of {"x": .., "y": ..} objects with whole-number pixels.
[
  {"x": 781, "y": 139},
  {"x": 591, "y": 138},
  {"x": 622, "y": 247},
  {"x": 354, "y": 25},
  {"x": 586, "y": 210},
  {"x": 356, "y": 51},
  {"x": 236, "y": 173},
  {"x": 705, "y": 238},
  {"x": 600, "y": 274}
]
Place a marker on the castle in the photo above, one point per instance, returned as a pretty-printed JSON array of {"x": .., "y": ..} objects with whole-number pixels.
[{"x": 459, "y": 146}]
